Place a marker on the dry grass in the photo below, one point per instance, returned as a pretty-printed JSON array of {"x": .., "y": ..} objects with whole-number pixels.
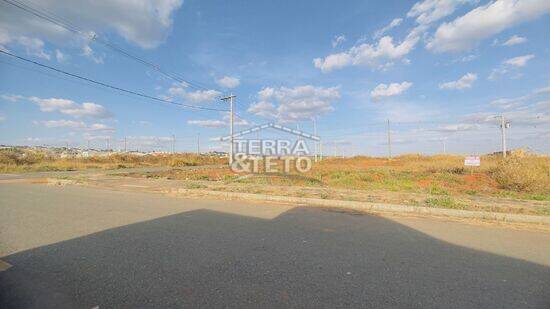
[
  {"x": 524, "y": 178},
  {"x": 16, "y": 161}
]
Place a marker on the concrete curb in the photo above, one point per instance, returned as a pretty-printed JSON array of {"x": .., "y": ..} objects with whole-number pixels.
[{"x": 372, "y": 207}]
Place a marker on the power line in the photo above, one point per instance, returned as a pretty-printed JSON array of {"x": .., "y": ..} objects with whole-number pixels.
[
  {"x": 67, "y": 26},
  {"x": 110, "y": 86}
]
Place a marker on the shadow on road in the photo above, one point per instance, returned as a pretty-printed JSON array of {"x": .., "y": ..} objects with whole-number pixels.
[{"x": 302, "y": 258}]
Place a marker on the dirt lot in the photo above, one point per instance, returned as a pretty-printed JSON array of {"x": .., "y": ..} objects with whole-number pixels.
[{"x": 516, "y": 185}]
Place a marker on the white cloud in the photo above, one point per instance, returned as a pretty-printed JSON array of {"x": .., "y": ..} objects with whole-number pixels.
[
  {"x": 509, "y": 65},
  {"x": 464, "y": 82},
  {"x": 145, "y": 23},
  {"x": 12, "y": 97},
  {"x": 89, "y": 53},
  {"x": 70, "y": 107},
  {"x": 544, "y": 90},
  {"x": 508, "y": 103},
  {"x": 339, "y": 39},
  {"x": 87, "y": 109},
  {"x": 99, "y": 127},
  {"x": 263, "y": 109},
  {"x": 429, "y": 11},
  {"x": 514, "y": 40},
  {"x": 202, "y": 95},
  {"x": 2, "y": 118},
  {"x": 369, "y": 54},
  {"x": 228, "y": 82},
  {"x": 519, "y": 61},
  {"x": 467, "y": 31},
  {"x": 393, "y": 89},
  {"x": 293, "y": 104},
  {"x": 542, "y": 106},
  {"x": 210, "y": 123},
  {"x": 72, "y": 124},
  {"x": 467, "y": 58},
  {"x": 53, "y": 104},
  {"x": 64, "y": 124},
  {"x": 458, "y": 127},
  {"x": 60, "y": 56},
  {"x": 394, "y": 23},
  {"x": 198, "y": 96},
  {"x": 33, "y": 47}
]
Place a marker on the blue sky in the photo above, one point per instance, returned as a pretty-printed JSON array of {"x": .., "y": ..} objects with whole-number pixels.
[{"x": 439, "y": 70}]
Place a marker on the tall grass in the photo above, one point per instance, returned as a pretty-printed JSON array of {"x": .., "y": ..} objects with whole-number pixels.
[{"x": 17, "y": 160}]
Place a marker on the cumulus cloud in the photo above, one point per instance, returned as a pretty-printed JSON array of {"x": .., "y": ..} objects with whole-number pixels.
[
  {"x": 464, "y": 82},
  {"x": 228, "y": 82},
  {"x": 339, "y": 39},
  {"x": 145, "y": 23},
  {"x": 394, "y": 23},
  {"x": 466, "y": 31},
  {"x": 87, "y": 109},
  {"x": 293, "y": 104},
  {"x": 197, "y": 96},
  {"x": 514, "y": 40},
  {"x": 368, "y": 54},
  {"x": 53, "y": 104},
  {"x": 72, "y": 108},
  {"x": 393, "y": 89},
  {"x": 429, "y": 11}
]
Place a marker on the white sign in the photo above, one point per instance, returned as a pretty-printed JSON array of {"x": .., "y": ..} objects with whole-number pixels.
[{"x": 472, "y": 161}]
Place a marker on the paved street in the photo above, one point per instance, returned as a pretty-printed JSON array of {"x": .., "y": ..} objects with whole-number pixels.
[{"x": 78, "y": 247}]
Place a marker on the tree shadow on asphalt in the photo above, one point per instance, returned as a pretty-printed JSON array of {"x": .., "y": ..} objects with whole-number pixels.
[{"x": 303, "y": 258}]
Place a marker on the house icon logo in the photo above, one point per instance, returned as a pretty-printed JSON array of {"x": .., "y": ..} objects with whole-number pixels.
[{"x": 250, "y": 153}]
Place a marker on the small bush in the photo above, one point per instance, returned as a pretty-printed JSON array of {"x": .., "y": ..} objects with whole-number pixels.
[{"x": 518, "y": 174}]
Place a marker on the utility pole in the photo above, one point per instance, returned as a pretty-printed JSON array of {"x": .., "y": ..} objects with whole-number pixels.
[
  {"x": 173, "y": 143},
  {"x": 389, "y": 141},
  {"x": 503, "y": 126},
  {"x": 198, "y": 144},
  {"x": 230, "y": 98},
  {"x": 125, "y": 148}
]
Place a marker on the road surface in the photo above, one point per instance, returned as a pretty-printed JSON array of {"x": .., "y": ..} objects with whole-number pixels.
[{"x": 78, "y": 247}]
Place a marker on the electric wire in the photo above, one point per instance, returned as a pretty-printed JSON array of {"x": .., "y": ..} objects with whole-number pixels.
[{"x": 109, "y": 85}]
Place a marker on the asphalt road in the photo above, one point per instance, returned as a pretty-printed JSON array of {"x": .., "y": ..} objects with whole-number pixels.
[{"x": 75, "y": 247}]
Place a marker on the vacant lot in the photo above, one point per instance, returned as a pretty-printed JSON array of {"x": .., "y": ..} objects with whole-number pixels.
[
  {"x": 519, "y": 185},
  {"x": 526, "y": 178},
  {"x": 13, "y": 160}
]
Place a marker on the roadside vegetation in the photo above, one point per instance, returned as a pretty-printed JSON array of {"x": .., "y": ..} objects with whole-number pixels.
[
  {"x": 14, "y": 160},
  {"x": 518, "y": 184},
  {"x": 514, "y": 185},
  {"x": 526, "y": 177}
]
